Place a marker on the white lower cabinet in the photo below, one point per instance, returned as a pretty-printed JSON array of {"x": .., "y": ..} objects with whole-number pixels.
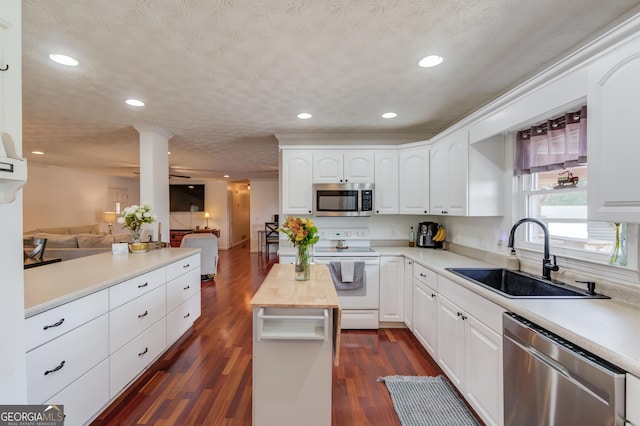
[
  {"x": 425, "y": 325},
  {"x": 81, "y": 406},
  {"x": 56, "y": 364},
  {"x": 129, "y": 361},
  {"x": 181, "y": 319},
  {"x": 84, "y": 353},
  {"x": 470, "y": 348},
  {"x": 408, "y": 293},
  {"x": 633, "y": 396},
  {"x": 129, "y": 320},
  {"x": 391, "y": 288},
  {"x": 483, "y": 370}
]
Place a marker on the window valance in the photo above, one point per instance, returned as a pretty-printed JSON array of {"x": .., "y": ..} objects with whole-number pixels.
[{"x": 556, "y": 144}]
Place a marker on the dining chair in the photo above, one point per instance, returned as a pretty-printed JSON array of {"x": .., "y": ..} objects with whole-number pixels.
[{"x": 271, "y": 235}]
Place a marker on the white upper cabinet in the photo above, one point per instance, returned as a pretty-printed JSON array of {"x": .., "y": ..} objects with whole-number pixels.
[
  {"x": 449, "y": 175},
  {"x": 386, "y": 182},
  {"x": 414, "y": 180},
  {"x": 613, "y": 129},
  {"x": 297, "y": 182},
  {"x": 468, "y": 179},
  {"x": 333, "y": 166}
]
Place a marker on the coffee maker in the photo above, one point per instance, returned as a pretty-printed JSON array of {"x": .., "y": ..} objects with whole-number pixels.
[{"x": 426, "y": 232}]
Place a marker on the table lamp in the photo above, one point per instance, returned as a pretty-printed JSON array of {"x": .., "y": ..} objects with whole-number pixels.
[
  {"x": 110, "y": 218},
  {"x": 207, "y": 216}
]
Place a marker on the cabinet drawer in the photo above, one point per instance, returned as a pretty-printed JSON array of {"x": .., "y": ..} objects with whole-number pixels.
[
  {"x": 484, "y": 310},
  {"x": 128, "y": 362},
  {"x": 633, "y": 396},
  {"x": 52, "y": 367},
  {"x": 85, "y": 397},
  {"x": 426, "y": 276},
  {"x": 180, "y": 267},
  {"x": 180, "y": 319},
  {"x": 131, "y": 319},
  {"x": 48, "y": 325},
  {"x": 182, "y": 288},
  {"x": 135, "y": 287}
]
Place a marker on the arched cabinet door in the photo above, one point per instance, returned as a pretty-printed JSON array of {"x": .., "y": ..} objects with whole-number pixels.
[
  {"x": 297, "y": 182},
  {"x": 613, "y": 141}
]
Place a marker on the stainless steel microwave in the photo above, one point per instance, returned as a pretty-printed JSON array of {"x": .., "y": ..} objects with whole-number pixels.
[{"x": 343, "y": 199}]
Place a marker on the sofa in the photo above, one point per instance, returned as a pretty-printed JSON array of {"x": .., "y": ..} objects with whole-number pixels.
[{"x": 75, "y": 241}]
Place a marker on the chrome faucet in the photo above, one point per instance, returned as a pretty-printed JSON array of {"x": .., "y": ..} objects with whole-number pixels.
[{"x": 547, "y": 266}]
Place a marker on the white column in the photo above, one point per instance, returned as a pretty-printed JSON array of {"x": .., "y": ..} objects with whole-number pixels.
[
  {"x": 13, "y": 371},
  {"x": 154, "y": 174}
]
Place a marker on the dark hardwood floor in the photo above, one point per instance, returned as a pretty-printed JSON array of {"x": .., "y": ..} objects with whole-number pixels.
[{"x": 205, "y": 378}]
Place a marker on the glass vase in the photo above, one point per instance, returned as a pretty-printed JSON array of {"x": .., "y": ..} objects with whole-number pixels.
[
  {"x": 303, "y": 271},
  {"x": 619, "y": 250}
]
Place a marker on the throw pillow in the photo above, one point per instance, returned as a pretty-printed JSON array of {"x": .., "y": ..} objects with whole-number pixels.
[
  {"x": 59, "y": 241},
  {"x": 95, "y": 241},
  {"x": 60, "y": 231},
  {"x": 85, "y": 229}
]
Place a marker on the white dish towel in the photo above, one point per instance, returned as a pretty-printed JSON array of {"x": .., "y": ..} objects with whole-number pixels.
[{"x": 346, "y": 270}]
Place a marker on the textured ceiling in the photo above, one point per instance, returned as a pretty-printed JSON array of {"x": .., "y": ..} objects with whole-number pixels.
[{"x": 224, "y": 76}]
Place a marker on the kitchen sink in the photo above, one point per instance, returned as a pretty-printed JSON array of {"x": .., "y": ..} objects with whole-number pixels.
[{"x": 517, "y": 285}]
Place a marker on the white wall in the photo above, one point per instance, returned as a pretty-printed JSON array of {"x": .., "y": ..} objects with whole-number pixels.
[
  {"x": 56, "y": 196},
  {"x": 264, "y": 204},
  {"x": 13, "y": 372}
]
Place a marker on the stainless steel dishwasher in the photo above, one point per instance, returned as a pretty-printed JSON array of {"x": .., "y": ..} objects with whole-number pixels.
[{"x": 550, "y": 381}]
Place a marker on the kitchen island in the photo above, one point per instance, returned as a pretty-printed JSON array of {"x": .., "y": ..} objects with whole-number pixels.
[
  {"x": 296, "y": 334},
  {"x": 123, "y": 310}
]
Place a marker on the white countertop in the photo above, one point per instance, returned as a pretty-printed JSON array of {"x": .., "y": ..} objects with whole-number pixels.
[
  {"x": 49, "y": 286},
  {"x": 606, "y": 327}
]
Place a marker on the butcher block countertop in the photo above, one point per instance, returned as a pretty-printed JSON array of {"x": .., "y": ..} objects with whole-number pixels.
[{"x": 281, "y": 290}]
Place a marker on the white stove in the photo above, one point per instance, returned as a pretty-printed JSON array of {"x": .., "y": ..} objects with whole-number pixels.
[
  {"x": 359, "y": 306},
  {"x": 344, "y": 242}
]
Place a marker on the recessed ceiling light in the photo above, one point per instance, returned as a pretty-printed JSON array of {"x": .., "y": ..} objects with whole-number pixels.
[
  {"x": 63, "y": 59},
  {"x": 304, "y": 115},
  {"x": 37, "y": 152},
  {"x": 134, "y": 102},
  {"x": 226, "y": 176},
  {"x": 430, "y": 61},
  {"x": 389, "y": 115}
]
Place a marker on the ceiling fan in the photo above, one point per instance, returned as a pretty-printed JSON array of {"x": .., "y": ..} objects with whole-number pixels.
[{"x": 171, "y": 174}]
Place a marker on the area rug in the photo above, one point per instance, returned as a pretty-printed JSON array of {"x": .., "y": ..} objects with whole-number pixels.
[{"x": 423, "y": 401}]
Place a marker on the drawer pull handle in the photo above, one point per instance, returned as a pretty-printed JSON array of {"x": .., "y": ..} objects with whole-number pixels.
[
  {"x": 144, "y": 352},
  {"x": 55, "y": 369},
  {"x": 186, "y": 288},
  {"x": 143, "y": 315},
  {"x": 423, "y": 275},
  {"x": 433, "y": 295},
  {"x": 59, "y": 323},
  {"x": 186, "y": 266},
  {"x": 143, "y": 285},
  {"x": 187, "y": 316}
]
